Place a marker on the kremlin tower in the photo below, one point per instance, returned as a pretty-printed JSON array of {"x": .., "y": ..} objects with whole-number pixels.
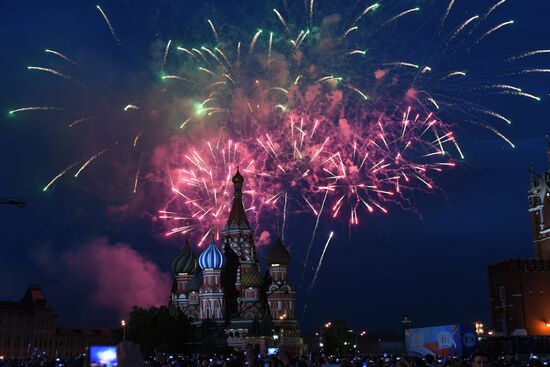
[
  {"x": 520, "y": 288},
  {"x": 539, "y": 207},
  {"x": 225, "y": 287}
]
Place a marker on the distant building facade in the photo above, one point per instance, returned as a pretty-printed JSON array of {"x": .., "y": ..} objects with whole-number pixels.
[
  {"x": 520, "y": 288},
  {"x": 225, "y": 290},
  {"x": 28, "y": 327}
]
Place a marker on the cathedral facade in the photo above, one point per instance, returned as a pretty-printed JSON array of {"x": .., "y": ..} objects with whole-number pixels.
[{"x": 225, "y": 288}]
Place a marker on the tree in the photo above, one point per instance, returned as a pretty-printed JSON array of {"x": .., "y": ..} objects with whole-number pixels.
[
  {"x": 337, "y": 339},
  {"x": 159, "y": 329}
]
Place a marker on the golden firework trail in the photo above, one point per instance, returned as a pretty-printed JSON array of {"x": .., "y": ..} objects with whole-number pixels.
[
  {"x": 166, "y": 50},
  {"x": 528, "y": 54},
  {"x": 51, "y": 71},
  {"x": 367, "y": 9},
  {"x": 34, "y": 108},
  {"x": 493, "y": 8},
  {"x": 72, "y": 123},
  {"x": 90, "y": 160},
  {"x": 131, "y": 107},
  {"x": 111, "y": 29},
  {"x": 137, "y": 175},
  {"x": 59, "y": 175},
  {"x": 253, "y": 42},
  {"x": 462, "y": 26},
  {"x": 213, "y": 30},
  {"x": 402, "y": 14},
  {"x": 282, "y": 20},
  {"x": 449, "y": 7},
  {"x": 493, "y": 30},
  {"x": 59, "y": 54}
]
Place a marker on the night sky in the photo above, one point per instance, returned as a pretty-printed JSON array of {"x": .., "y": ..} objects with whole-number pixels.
[{"x": 95, "y": 251}]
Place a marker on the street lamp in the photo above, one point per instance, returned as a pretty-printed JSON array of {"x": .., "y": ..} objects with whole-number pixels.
[
  {"x": 123, "y": 324},
  {"x": 479, "y": 328}
]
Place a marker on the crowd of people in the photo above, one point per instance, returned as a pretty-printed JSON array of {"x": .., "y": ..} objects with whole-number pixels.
[{"x": 129, "y": 355}]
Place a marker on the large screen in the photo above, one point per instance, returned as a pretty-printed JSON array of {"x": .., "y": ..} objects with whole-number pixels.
[
  {"x": 103, "y": 356},
  {"x": 444, "y": 341}
]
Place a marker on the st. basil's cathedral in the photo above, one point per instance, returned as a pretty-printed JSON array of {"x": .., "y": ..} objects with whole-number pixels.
[{"x": 225, "y": 290}]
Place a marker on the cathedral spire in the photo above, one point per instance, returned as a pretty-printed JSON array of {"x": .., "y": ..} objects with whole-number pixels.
[{"x": 237, "y": 216}]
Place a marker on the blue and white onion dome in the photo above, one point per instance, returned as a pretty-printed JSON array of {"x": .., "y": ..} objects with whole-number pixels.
[{"x": 212, "y": 257}]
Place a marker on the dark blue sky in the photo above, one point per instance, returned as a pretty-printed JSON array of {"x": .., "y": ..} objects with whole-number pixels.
[{"x": 431, "y": 266}]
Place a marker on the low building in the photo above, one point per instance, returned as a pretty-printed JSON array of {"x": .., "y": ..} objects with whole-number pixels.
[{"x": 28, "y": 327}]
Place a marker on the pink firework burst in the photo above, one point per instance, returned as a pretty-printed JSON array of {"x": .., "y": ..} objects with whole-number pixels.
[
  {"x": 202, "y": 189},
  {"x": 380, "y": 164}
]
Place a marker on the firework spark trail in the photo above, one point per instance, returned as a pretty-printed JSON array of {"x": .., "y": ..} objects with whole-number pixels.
[
  {"x": 51, "y": 71},
  {"x": 214, "y": 32},
  {"x": 495, "y": 131},
  {"x": 402, "y": 14},
  {"x": 492, "y": 30},
  {"x": 166, "y": 50},
  {"x": 253, "y": 42},
  {"x": 136, "y": 139},
  {"x": 493, "y": 8},
  {"x": 521, "y": 94},
  {"x": 111, "y": 29},
  {"x": 310, "y": 245},
  {"x": 447, "y": 12},
  {"x": 528, "y": 54},
  {"x": 34, "y": 108},
  {"x": 131, "y": 107},
  {"x": 58, "y": 176},
  {"x": 90, "y": 160},
  {"x": 403, "y": 63},
  {"x": 454, "y": 73},
  {"x": 183, "y": 49},
  {"x": 317, "y": 270},
  {"x": 59, "y": 54},
  {"x": 74, "y": 122},
  {"x": 269, "y": 48},
  {"x": 502, "y": 86},
  {"x": 532, "y": 71},
  {"x": 497, "y": 115},
  {"x": 164, "y": 77},
  {"x": 283, "y": 21},
  {"x": 462, "y": 26},
  {"x": 284, "y": 218},
  {"x": 311, "y": 7},
  {"x": 367, "y": 10},
  {"x": 137, "y": 174}
]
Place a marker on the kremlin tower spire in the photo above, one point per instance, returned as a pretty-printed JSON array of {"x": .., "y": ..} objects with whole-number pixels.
[{"x": 237, "y": 216}]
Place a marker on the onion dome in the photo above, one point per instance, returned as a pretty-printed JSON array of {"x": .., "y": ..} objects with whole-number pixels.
[
  {"x": 212, "y": 257},
  {"x": 278, "y": 254},
  {"x": 252, "y": 279},
  {"x": 185, "y": 262},
  {"x": 238, "y": 178}
]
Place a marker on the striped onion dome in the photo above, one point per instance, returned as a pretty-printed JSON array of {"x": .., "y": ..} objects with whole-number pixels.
[
  {"x": 185, "y": 262},
  {"x": 212, "y": 257},
  {"x": 252, "y": 279}
]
